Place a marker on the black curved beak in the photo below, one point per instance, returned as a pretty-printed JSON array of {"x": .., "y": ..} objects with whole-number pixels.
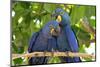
[{"x": 55, "y": 32}]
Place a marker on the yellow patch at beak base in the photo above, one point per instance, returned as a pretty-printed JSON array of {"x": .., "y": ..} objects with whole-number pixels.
[
  {"x": 58, "y": 18},
  {"x": 51, "y": 31}
]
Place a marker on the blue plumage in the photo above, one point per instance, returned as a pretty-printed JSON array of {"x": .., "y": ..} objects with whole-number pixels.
[
  {"x": 61, "y": 39},
  {"x": 70, "y": 41},
  {"x": 44, "y": 41}
]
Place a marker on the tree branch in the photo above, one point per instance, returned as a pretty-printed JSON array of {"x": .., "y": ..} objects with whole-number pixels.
[{"x": 53, "y": 54}]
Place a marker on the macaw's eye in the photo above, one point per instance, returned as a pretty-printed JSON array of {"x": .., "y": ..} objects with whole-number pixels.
[{"x": 61, "y": 13}]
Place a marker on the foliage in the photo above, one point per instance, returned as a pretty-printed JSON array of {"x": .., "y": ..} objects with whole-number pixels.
[{"x": 30, "y": 17}]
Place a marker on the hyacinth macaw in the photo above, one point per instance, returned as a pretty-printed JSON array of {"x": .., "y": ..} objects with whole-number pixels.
[
  {"x": 67, "y": 40},
  {"x": 44, "y": 40}
]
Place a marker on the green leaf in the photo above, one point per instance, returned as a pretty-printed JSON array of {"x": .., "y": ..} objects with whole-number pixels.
[
  {"x": 54, "y": 60},
  {"x": 14, "y": 48},
  {"x": 82, "y": 36},
  {"x": 18, "y": 61},
  {"x": 93, "y": 23},
  {"x": 82, "y": 49},
  {"x": 88, "y": 59},
  {"x": 77, "y": 13},
  {"x": 49, "y": 7},
  {"x": 81, "y": 33},
  {"x": 45, "y": 19}
]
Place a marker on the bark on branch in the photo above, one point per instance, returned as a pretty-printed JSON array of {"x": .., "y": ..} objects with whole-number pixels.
[{"x": 53, "y": 54}]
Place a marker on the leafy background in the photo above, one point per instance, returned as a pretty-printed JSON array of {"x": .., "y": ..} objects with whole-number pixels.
[{"x": 30, "y": 17}]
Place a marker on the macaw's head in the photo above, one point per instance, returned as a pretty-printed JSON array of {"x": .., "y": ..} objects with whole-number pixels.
[
  {"x": 51, "y": 29},
  {"x": 54, "y": 28},
  {"x": 62, "y": 17},
  {"x": 54, "y": 31}
]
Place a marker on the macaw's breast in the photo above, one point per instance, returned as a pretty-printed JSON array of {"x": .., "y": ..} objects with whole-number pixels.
[{"x": 62, "y": 42}]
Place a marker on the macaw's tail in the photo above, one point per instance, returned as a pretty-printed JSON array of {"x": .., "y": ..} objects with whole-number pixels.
[
  {"x": 37, "y": 61},
  {"x": 70, "y": 59},
  {"x": 76, "y": 59}
]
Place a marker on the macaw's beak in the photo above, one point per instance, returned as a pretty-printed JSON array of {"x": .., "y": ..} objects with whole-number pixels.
[
  {"x": 52, "y": 30},
  {"x": 55, "y": 32},
  {"x": 58, "y": 17}
]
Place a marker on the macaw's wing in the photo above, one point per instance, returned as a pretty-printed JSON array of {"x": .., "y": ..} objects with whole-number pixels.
[
  {"x": 32, "y": 41},
  {"x": 37, "y": 44},
  {"x": 71, "y": 39},
  {"x": 73, "y": 43},
  {"x": 67, "y": 42}
]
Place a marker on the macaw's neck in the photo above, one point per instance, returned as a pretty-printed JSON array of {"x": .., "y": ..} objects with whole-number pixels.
[
  {"x": 67, "y": 26},
  {"x": 65, "y": 20},
  {"x": 67, "y": 30}
]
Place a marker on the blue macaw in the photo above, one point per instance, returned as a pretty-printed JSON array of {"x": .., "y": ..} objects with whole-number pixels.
[
  {"x": 44, "y": 40},
  {"x": 67, "y": 40}
]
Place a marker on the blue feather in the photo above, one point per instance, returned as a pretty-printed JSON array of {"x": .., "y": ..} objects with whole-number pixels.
[
  {"x": 43, "y": 41},
  {"x": 70, "y": 41}
]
